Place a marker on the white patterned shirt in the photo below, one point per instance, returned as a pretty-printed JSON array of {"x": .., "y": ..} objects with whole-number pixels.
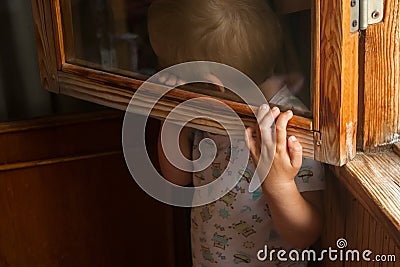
[{"x": 231, "y": 230}]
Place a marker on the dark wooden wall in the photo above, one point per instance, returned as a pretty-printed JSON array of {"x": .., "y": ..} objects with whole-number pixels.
[
  {"x": 346, "y": 218},
  {"x": 67, "y": 198}
]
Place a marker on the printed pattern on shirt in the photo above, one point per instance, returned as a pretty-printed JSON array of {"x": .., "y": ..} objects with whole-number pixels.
[{"x": 231, "y": 230}]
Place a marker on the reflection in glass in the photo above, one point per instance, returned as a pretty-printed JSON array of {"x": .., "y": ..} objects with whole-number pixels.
[
  {"x": 108, "y": 34},
  {"x": 112, "y": 35}
]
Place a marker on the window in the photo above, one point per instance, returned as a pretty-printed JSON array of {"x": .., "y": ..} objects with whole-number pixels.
[{"x": 98, "y": 51}]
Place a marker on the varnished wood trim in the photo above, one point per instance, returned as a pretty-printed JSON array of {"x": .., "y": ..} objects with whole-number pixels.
[
  {"x": 121, "y": 89},
  {"x": 56, "y": 121},
  {"x": 81, "y": 134},
  {"x": 37, "y": 163},
  {"x": 68, "y": 29},
  {"x": 58, "y": 33},
  {"x": 381, "y": 109},
  {"x": 374, "y": 179},
  {"x": 115, "y": 90},
  {"x": 315, "y": 62},
  {"x": 337, "y": 121},
  {"x": 94, "y": 86},
  {"x": 396, "y": 148},
  {"x": 346, "y": 217},
  {"x": 46, "y": 44},
  {"x": 338, "y": 84}
]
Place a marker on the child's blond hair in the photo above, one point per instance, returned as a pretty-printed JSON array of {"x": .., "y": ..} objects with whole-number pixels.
[{"x": 244, "y": 34}]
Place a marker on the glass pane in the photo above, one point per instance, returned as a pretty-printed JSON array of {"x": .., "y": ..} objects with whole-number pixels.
[
  {"x": 112, "y": 35},
  {"x": 108, "y": 34},
  {"x": 297, "y": 62}
]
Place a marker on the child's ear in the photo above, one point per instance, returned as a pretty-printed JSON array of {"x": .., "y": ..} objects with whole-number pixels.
[{"x": 215, "y": 80}]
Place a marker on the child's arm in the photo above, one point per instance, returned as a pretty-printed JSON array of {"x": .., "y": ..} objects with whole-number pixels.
[
  {"x": 170, "y": 172},
  {"x": 297, "y": 217}
]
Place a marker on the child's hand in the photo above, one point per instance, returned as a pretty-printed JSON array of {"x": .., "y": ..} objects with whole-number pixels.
[
  {"x": 288, "y": 153},
  {"x": 170, "y": 79},
  {"x": 173, "y": 80}
]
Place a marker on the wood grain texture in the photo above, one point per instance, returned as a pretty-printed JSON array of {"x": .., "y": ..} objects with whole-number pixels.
[
  {"x": 81, "y": 213},
  {"x": 45, "y": 134},
  {"x": 346, "y": 217},
  {"x": 78, "y": 206},
  {"x": 58, "y": 33},
  {"x": 374, "y": 179},
  {"x": 381, "y": 78},
  {"x": 101, "y": 79},
  {"x": 335, "y": 66},
  {"x": 396, "y": 148},
  {"x": 338, "y": 84},
  {"x": 47, "y": 162},
  {"x": 315, "y": 62},
  {"x": 334, "y": 213},
  {"x": 70, "y": 25},
  {"x": 116, "y": 91},
  {"x": 49, "y": 55}
]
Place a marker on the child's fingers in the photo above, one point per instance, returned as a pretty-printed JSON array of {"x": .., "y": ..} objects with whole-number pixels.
[
  {"x": 295, "y": 152},
  {"x": 265, "y": 115},
  {"x": 251, "y": 143},
  {"x": 171, "y": 81},
  {"x": 266, "y": 120},
  {"x": 261, "y": 115},
  {"x": 275, "y": 112},
  {"x": 214, "y": 80},
  {"x": 281, "y": 133},
  {"x": 262, "y": 112},
  {"x": 163, "y": 78}
]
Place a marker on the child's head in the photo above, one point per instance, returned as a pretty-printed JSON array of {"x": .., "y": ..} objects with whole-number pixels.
[{"x": 244, "y": 34}]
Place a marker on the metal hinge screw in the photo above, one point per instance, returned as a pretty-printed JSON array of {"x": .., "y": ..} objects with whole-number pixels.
[
  {"x": 375, "y": 14},
  {"x": 364, "y": 13}
]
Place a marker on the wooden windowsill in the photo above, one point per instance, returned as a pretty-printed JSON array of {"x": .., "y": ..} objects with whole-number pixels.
[{"x": 374, "y": 179}]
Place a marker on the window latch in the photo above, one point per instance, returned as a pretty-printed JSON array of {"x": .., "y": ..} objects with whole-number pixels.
[{"x": 364, "y": 13}]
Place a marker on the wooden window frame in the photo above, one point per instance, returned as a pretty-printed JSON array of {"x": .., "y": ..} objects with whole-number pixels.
[{"x": 330, "y": 136}]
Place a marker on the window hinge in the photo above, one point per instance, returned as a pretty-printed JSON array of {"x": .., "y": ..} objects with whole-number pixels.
[
  {"x": 364, "y": 13},
  {"x": 317, "y": 138}
]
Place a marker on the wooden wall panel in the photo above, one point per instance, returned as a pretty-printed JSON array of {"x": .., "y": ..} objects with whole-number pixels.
[
  {"x": 82, "y": 213},
  {"x": 335, "y": 198},
  {"x": 346, "y": 217},
  {"x": 380, "y": 115},
  {"x": 62, "y": 136},
  {"x": 374, "y": 180},
  {"x": 78, "y": 208}
]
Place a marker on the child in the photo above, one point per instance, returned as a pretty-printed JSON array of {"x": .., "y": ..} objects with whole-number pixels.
[{"x": 285, "y": 213}]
